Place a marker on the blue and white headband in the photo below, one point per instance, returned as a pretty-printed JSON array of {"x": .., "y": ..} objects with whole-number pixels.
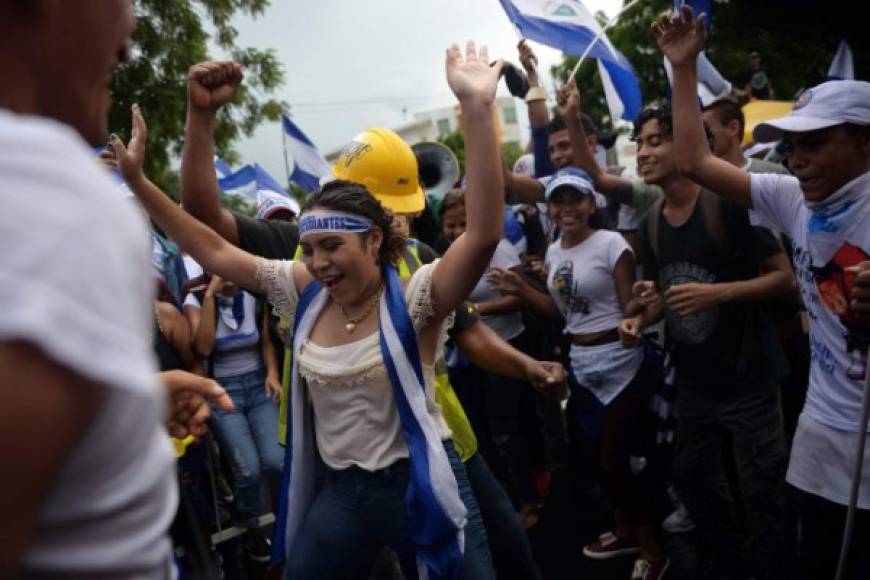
[{"x": 332, "y": 222}]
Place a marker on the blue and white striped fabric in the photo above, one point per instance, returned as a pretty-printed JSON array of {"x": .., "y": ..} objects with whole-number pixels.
[
  {"x": 570, "y": 27},
  {"x": 842, "y": 67},
  {"x": 249, "y": 180},
  {"x": 221, "y": 168},
  {"x": 435, "y": 514},
  {"x": 712, "y": 86},
  {"x": 307, "y": 162}
]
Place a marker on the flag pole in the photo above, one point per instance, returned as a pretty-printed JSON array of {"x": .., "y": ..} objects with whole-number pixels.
[
  {"x": 610, "y": 23},
  {"x": 284, "y": 143}
]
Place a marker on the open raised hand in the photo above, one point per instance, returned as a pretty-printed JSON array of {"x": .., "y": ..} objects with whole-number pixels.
[
  {"x": 131, "y": 158},
  {"x": 472, "y": 79},
  {"x": 212, "y": 84},
  {"x": 680, "y": 36}
]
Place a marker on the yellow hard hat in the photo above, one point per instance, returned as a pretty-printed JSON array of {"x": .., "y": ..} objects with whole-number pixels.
[{"x": 381, "y": 161}]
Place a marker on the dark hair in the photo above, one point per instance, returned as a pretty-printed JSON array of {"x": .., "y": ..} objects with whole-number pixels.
[
  {"x": 555, "y": 125},
  {"x": 658, "y": 111},
  {"x": 454, "y": 198},
  {"x": 728, "y": 110},
  {"x": 597, "y": 220},
  {"x": 350, "y": 197},
  {"x": 662, "y": 113},
  {"x": 588, "y": 124}
]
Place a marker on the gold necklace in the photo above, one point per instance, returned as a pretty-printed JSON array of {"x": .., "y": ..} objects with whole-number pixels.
[{"x": 351, "y": 323}]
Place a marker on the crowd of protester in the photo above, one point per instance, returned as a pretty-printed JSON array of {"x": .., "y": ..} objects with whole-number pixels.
[{"x": 345, "y": 400}]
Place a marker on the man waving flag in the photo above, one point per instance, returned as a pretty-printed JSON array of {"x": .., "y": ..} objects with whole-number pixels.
[{"x": 567, "y": 25}]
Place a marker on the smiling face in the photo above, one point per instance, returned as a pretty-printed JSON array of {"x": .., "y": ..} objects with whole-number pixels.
[
  {"x": 827, "y": 159},
  {"x": 453, "y": 222},
  {"x": 561, "y": 152},
  {"x": 73, "y": 49},
  {"x": 346, "y": 264},
  {"x": 655, "y": 153},
  {"x": 571, "y": 209}
]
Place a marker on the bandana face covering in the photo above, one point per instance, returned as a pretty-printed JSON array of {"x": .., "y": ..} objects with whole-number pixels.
[{"x": 332, "y": 222}]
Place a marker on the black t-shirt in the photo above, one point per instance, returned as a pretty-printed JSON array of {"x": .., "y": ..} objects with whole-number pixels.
[
  {"x": 273, "y": 240},
  {"x": 726, "y": 348}
]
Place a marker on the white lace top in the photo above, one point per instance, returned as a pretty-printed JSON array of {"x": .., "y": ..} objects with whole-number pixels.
[{"x": 356, "y": 421}]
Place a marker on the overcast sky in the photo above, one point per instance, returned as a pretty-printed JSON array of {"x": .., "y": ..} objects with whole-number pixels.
[{"x": 353, "y": 64}]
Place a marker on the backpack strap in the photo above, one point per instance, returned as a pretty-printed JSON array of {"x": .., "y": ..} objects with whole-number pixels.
[{"x": 710, "y": 205}]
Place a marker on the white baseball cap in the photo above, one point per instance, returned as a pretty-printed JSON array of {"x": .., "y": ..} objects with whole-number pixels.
[
  {"x": 825, "y": 105},
  {"x": 576, "y": 179},
  {"x": 269, "y": 203},
  {"x": 525, "y": 165}
]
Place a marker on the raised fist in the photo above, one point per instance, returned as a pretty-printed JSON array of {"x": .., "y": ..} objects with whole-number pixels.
[{"x": 210, "y": 85}]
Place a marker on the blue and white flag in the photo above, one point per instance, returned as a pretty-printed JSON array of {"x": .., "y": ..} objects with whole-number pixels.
[
  {"x": 307, "y": 162},
  {"x": 842, "y": 67},
  {"x": 712, "y": 86},
  {"x": 221, "y": 168},
  {"x": 249, "y": 180},
  {"x": 568, "y": 26}
]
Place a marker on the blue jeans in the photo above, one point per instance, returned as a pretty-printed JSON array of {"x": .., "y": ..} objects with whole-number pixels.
[
  {"x": 248, "y": 438},
  {"x": 357, "y": 512}
]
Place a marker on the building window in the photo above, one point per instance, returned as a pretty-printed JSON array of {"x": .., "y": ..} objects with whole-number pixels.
[
  {"x": 443, "y": 127},
  {"x": 510, "y": 115}
]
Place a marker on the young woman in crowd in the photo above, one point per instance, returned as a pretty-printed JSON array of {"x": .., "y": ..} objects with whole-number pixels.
[
  {"x": 227, "y": 336},
  {"x": 387, "y": 478},
  {"x": 590, "y": 273},
  {"x": 494, "y": 402}
]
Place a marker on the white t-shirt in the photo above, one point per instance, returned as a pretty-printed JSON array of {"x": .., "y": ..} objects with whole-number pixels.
[
  {"x": 580, "y": 280},
  {"x": 236, "y": 350},
  {"x": 76, "y": 281},
  {"x": 507, "y": 326},
  {"x": 837, "y": 365}
]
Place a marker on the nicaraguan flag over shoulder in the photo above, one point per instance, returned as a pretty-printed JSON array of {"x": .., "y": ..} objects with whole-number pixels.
[
  {"x": 842, "y": 67},
  {"x": 307, "y": 162},
  {"x": 568, "y": 26},
  {"x": 249, "y": 180}
]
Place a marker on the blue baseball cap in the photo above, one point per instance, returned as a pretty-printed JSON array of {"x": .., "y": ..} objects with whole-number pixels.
[{"x": 576, "y": 179}]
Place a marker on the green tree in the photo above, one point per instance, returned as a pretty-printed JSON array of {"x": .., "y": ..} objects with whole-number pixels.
[
  {"x": 796, "y": 39},
  {"x": 455, "y": 141},
  {"x": 172, "y": 35}
]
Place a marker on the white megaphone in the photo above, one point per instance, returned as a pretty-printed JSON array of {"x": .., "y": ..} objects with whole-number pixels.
[{"x": 438, "y": 168}]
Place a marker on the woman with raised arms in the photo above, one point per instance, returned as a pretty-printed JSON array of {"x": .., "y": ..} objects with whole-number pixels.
[{"x": 364, "y": 342}]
